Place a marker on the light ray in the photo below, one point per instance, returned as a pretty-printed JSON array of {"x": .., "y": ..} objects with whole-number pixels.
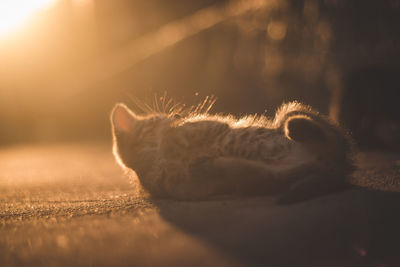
[{"x": 14, "y": 13}]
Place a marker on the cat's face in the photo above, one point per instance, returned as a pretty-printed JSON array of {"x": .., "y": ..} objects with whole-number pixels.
[{"x": 136, "y": 138}]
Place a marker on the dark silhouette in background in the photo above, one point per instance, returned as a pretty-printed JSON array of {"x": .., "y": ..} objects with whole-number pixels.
[{"x": 370, "y": 107}]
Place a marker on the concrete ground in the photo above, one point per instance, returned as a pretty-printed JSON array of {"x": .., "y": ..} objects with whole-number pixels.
[{"x": 71, "y": 205}]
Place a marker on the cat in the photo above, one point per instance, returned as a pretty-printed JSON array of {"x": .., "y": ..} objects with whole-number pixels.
[{"x": 299, "y": 154}]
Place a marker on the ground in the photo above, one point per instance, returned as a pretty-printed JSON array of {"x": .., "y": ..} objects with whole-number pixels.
[{"x": 71, "y": 205}]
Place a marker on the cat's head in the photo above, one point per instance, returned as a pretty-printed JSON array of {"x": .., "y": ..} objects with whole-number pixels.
[{"x": 136, "y": 138}]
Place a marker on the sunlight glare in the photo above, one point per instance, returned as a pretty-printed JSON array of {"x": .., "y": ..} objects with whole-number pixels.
[{"x": 13, "y": 13}]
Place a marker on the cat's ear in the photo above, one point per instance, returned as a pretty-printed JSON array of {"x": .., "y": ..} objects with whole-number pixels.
[
  {"x": 122, "y": 118},
  {"x": 303, "y": 129}
]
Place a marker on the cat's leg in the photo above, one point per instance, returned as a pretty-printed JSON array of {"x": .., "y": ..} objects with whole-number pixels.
[
  {"x": 229, "y": 175},
  {"x": 314, "y": 185}
]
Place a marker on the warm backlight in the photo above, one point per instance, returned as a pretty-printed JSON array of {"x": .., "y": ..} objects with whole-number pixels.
[{"x": 14, "y": 13}]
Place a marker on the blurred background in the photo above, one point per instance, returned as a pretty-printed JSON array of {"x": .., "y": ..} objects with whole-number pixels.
[{"x": 64, "y": 63}]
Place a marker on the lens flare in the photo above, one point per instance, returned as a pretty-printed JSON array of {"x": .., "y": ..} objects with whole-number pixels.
[{"x": 14, "y": 13}]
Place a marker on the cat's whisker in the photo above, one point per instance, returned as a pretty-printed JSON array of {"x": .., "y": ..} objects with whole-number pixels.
[
  {"x": 181, "y": 109},
  {"x": 203, "y": 104},
  {"x": 197, "y": 107},
  {"x": 156, "y": 106},
  {"x": 192, "y": 110},
  {"x": 168, "y": 106},
  {"x": 162, "y": 99},
  {"x": 211, "y": 103},
  {"x": 138, "y": 105},
  {"x": 149, "y": 109},
  {"x": 176, "y": 108}
]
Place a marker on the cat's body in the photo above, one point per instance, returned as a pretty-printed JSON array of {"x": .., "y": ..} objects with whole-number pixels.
[{"x": 299, "y": 153}]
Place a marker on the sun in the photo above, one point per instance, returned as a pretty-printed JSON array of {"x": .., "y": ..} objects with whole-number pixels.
[{"x": 14, "y": 13}]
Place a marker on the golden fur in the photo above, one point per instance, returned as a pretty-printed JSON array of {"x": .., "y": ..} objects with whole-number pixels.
[{"x": 298, "y": 154}]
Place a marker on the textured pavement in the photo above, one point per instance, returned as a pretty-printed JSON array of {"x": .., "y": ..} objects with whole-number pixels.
[{"x": 71, "y": 205}]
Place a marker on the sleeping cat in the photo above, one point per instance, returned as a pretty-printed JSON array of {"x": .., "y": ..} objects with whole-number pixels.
[{"x": 299, "y": 154}]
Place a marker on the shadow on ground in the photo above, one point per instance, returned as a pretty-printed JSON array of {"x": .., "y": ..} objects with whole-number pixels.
[
  {"x": 70, "y": 205},
  {"x": 354, "y": 228}
]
